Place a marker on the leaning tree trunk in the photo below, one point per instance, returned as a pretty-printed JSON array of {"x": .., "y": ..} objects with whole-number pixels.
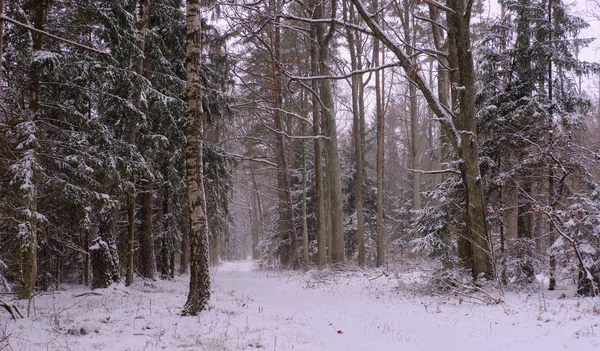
[{"x": 199, "y": 292}]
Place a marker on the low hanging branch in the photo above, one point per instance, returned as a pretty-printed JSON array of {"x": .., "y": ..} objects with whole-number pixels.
[{"x": 66, "y": 41}]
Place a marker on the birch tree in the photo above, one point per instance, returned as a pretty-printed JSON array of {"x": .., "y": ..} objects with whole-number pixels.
[{"x": 199, "y": 291}]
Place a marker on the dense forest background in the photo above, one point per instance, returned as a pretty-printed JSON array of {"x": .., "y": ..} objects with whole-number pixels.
[{"x": 335, "y": 133}]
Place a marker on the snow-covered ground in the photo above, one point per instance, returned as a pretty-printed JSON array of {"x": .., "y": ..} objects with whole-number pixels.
[{"x": 265, "y": 310}]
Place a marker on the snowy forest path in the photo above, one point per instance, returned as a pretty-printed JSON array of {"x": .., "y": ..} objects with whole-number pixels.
[
  {"x": 344, "y": 311},
  {"x": 272, "y": 310}
]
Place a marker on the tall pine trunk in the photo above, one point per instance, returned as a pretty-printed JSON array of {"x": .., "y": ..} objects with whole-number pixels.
[
  {"x": 28, "y": 233},
  {"x": 148, "y": 261}
]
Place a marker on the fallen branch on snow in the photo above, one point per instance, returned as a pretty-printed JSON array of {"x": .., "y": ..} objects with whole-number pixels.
[{"x": 12, "y": 309}]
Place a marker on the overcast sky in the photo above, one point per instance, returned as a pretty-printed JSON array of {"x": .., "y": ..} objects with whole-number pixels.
[{"x": 590, "y": 11}]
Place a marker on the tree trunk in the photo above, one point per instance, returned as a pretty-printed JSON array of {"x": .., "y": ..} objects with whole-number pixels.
[
  {"x": 147, "y": 255},
  {"x": 553, "y": 198},
  {"x": 305, "y": 259},
  {"x": 102, "y": 264},
  {"x": 165, "y": 259},
  {"x": 199, "y": 292},
  {"x": 103, "y": 252},
  {"x": 509, "y": 197},
  {"x": 415, "y": 154},
  {"x": 254, "y": 225},
  {"x": 552, "y": 235},
  {"x": 86, "y": 257},
  {"x": 288, "y": 210},
  {"x": 130, "y": 240},
  {"x": 137, "y": 66},
  {"x": 319, "y": 198},
  {"x": 214, "y": 247},
  {"x": 166, "y": 251},
  {"x": 172, "y": 265},
  {"x": 258, "y": 219},
  {"x": 380, "y": 152},
  {"x": 184, "y": 259},
  {"x": 1, "y": 30},
  {"x": 357, "y": 80},
  {"x": 460, "y": 129},
  {"x": 463, "y": 80},
  {"x": 332, "y": 161},
  {"x": 511, "y": 214},
  {"x": 28, "y": 230}
]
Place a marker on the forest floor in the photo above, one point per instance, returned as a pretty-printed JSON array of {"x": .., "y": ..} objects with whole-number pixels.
[{"x": 318, "y": 310}]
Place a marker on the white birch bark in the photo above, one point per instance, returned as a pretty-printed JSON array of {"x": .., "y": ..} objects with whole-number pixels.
[{"x": 199, "y": 292}]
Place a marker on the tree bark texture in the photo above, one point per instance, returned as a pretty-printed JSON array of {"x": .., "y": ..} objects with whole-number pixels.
[
  {"x": 357, "y": 86},
  {"x": 552, "y": 200},
  {"x": 305, "y": 257},
  {"x": 332, "y": 161},
  {"x": 414, "y": 117},
  {"x": 184, "y": 259},
  {"x": 380, "y": 261},
  {"x": 319, "y": 197},
  {"x": 464, "y": 83},
  {"x": 137, "y": 67},
  {"x": 28, "y": 232},
  {"x": 103, "y": 252},
  {"x": 130, "y": 240},
  {"x": 288, "y": 221},
  {"x": 257, "y": 210},
  {"x": 147, "y": 255},
  {"x": 199, "y": 292}
]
